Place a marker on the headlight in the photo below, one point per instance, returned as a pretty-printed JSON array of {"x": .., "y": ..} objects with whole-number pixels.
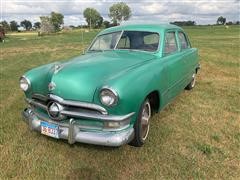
[
  {"x": 108, "y": 97},
  {"x": 24, "y": 83}
]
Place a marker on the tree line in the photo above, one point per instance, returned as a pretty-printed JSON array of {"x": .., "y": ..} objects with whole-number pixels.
[
  {"x": 220, "y": 21},
  {"x": 13, "y": 25},
  {"x": 118, "y": 12}
]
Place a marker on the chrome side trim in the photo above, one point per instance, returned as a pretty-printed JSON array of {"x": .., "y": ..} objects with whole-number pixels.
[{"x": 78, "y": 104}]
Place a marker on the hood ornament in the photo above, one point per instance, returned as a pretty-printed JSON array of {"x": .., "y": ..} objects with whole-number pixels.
[
  {"x": 57, "y": 68},
  {"x": 51, "y": 86}
]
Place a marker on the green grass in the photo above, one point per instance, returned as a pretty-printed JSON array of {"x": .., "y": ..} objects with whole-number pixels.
[{"x": 196, "y": 137}]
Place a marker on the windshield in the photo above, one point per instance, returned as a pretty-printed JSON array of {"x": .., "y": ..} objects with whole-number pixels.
[
  {"x": 105, "y": 42},
  {"x": 131, "y": 40}
]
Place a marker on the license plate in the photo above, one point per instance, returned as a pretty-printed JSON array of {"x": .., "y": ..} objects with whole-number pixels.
[{"x": 49, "y": 129}]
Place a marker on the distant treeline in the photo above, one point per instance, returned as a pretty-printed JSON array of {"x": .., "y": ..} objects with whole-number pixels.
[
  {"x": 118, "y": 13},
  {"x": 184, "y": 23},
  {"x": 193, "y": 23},
  {"x": 54, "y": 22}
]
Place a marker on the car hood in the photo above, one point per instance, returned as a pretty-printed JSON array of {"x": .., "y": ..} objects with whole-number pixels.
[{"x": 79, "y": 78}]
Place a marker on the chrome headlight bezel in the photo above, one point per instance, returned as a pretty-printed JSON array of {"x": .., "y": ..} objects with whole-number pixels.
[
  {"x": 25, "y": 83},
  {"x": 108, "y": 97}
]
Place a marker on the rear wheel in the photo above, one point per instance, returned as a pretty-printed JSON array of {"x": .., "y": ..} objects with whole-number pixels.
[
  {"x": 141, "y": 126},
  {"x": 192, "y": 84}
]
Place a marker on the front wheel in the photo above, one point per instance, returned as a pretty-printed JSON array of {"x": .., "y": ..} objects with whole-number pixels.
[{"x": 141, "y": 126}]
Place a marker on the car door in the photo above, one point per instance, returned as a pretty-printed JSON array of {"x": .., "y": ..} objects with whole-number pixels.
[
  {"x": 186, "y": 56},
  {"x": 173, "y": 64}
]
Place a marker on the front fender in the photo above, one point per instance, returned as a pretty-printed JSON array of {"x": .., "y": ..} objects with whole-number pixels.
[
  {"x": 40, "y": 78},
  {"x": 134, "y": 86}
]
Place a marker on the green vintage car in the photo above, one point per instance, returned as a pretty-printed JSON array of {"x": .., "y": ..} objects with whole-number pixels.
[{"x": 108, "y": 95}]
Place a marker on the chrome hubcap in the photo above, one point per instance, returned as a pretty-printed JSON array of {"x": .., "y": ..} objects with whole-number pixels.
[{"x": 146, "y": 114}]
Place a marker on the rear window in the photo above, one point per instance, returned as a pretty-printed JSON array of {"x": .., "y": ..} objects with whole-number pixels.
[{"x": 183, "y": 40}]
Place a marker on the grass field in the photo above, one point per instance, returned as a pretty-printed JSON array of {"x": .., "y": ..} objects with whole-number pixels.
[{"x": 196, "y": 137}]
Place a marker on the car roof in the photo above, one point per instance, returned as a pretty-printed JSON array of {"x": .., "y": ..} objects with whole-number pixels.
[{"x": 142, "y": 27}]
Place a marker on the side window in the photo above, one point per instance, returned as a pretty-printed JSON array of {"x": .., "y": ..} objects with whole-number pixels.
[
  {"x": 151, "y": 39},
  {"x": 139, "y": 40},
  {"x": 124, "y": 43},
  {"x": 170, "y": 43},
  {"x": 183, "y": 40}
]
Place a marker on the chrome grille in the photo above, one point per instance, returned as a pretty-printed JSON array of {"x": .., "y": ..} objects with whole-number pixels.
[
  {"x": 77, "y": 109},
  {"x": 71, "y": 108}
]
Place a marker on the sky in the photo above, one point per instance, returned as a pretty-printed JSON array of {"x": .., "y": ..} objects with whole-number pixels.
[{"x": 162, "y": 11}]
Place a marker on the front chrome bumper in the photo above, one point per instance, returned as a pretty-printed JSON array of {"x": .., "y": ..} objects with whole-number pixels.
[{"x": 72, "y": 132}]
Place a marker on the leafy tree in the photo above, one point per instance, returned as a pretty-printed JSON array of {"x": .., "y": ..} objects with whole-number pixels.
[
  {"x": 5, "y": 25},
  {"x": 93, "y": 17},
  {"x": 37, "y": 25},
  {"x": 229, "y": 23},
  {"x": 221, "y": 20},
  {"x": 106, "y": 24},
  {"x": 99, "y": 22},
  {"x": 56, "y": 20},
  {"x": 2, "y": 33},
  {"x": 14, "y": 26},
  {"x": 50, "y": 24},
  {"x": 119, "y": 12},
  {"x": 46, "y": 25},
  {"x": 26, "y": 24}
]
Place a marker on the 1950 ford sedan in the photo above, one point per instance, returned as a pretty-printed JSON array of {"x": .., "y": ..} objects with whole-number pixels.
[{"x": 107, "y": 96}]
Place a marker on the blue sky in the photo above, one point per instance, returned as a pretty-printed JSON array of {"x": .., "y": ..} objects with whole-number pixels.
[{"x": 162, "y": 11}]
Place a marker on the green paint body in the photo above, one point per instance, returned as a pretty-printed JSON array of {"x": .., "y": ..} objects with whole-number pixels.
[{"x": 132, "y": 74}]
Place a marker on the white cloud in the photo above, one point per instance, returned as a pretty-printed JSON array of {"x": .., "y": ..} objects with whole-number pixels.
[
  {"x": 201, "y": 11},
  {"x": 153, "y": 8}
]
